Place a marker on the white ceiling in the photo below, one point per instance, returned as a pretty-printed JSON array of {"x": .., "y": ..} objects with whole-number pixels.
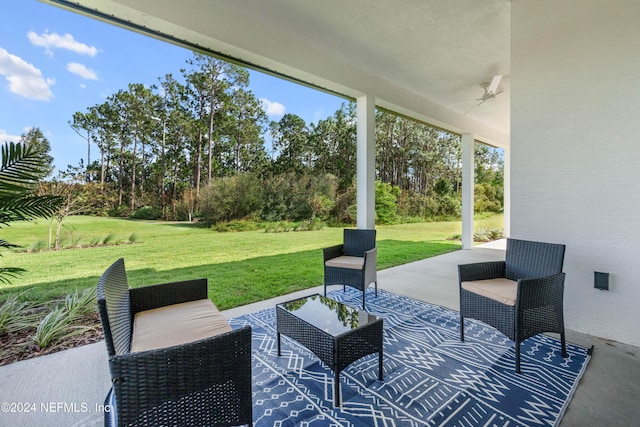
[{"x": 423, "y": 58}]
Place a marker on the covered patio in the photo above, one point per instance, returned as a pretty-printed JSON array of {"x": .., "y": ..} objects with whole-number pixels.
[
  {"x": 566, "y": 117},
  {"x": 564, "y": 109},
  {"x": 606, "y": 394}
]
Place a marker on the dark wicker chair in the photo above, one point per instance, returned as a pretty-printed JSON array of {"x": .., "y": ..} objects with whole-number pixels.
[
  {"x": 536, "y": 269},
  {"x": 207, "y": 382},
  {"x": 352, "y": 263}
]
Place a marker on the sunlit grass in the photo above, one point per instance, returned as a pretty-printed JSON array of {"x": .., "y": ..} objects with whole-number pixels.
[{"x": 241, "y": 267}]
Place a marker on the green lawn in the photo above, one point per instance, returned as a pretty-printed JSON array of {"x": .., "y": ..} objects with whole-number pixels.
[{"x": 241, "y": 267}]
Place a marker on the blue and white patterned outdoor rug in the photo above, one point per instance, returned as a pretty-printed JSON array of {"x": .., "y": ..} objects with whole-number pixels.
[{"x": 430, "y": 377}]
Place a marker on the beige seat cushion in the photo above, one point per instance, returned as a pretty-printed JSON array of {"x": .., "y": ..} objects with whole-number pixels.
[
  {"x": 353, "y": 262},
  {"x": 501, "y": 290},
  {"x": 177, "y": 324}
]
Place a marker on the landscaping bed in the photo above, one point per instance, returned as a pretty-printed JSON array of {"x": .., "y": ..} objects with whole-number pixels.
[{"x": 18, "y": 346}]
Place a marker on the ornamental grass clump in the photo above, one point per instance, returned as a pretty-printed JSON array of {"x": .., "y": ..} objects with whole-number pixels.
[
  {"x": 57, "y": 326},
  {"x": 108, "y": 239},
  {"x": 16, "y": 316},
  {"x": 80, "y": 304},
  {"x": 60, "y": 324},
  {"x": 488, "y": 235}
]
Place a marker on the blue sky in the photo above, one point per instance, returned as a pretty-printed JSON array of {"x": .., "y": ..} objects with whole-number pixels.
[{"x": 54, "y": 63}]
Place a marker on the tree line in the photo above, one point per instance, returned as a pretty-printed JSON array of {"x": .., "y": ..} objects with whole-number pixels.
[{"x": 200, "y": 145}]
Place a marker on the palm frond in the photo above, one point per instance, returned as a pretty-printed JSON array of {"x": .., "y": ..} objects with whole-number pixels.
[
  {"x": 7, "y": 273},
  {"x": 7, "y": 245},
  {"x": 23, "y": 208},
  {"x": 22, "y": 167}
]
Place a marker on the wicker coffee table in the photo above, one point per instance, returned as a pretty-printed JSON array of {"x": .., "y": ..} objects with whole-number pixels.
[{"x": 338, "y": 334}]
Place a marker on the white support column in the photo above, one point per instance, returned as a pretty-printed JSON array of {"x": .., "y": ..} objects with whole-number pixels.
[
  {"x": 468, "y": 146},
  {"x": 366, "y": 159},
  {"x": 507, "y": 191}
]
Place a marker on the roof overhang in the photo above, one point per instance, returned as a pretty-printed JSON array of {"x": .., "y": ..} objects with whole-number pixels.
[{"x": 425, "y": 59}]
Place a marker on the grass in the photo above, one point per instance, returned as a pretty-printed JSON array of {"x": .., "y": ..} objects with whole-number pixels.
[{"x": 242, "y": 267}]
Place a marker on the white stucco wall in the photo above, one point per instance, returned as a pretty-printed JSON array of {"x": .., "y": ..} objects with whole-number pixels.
[{"x": 575, "y": 151}]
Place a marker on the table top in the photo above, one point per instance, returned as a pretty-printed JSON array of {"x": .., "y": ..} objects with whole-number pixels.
[{"x": 328, "y": 315}]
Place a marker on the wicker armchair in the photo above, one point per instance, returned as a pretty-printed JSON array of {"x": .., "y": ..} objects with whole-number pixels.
[
  {"x": 205, "y": 382},
  {"x": 352, "y": 263},
  {"x": 521, "y": 296}
]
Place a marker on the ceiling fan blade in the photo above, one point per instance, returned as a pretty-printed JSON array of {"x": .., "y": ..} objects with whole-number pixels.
[{"x": 493, "y": 86}]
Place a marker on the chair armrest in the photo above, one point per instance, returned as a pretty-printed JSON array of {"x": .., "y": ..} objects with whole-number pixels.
[
  {"x": 155, "y": 296},
  {"x": 202, "y": 374},
  {"x": 370, "y": 267},
  {"x": 481, "y": 271},
  {"x": 370, "y": 259},
  {"x": 332, "y": 252},
  {"x": 541, "y": 292}
]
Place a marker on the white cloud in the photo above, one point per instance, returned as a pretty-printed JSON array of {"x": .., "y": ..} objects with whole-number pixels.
[
  {"x": 55, "y": 40},
  {"x": 24, "y": 79},
  {"x": 272, "y": 108},
  {"x": 82, "y": 71},
  {"x": 5, "y": 137}
]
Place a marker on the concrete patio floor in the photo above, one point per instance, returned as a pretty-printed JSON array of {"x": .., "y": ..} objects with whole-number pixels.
[{"x": 68, "y": 388}]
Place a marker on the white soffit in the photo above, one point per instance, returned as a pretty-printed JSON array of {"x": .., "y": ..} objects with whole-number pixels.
[{"x": 422, "y": 58}]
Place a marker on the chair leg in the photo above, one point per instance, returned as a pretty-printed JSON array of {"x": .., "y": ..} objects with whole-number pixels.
[
  {"x": 517, "y": 357},
  {"x": 461, "y": 328},
  {"x": 564, "y": 343},
  {"x": 325, "y": 289},
  {"x": 363, "y": 291},
  {"x": 376, "y": 283}
]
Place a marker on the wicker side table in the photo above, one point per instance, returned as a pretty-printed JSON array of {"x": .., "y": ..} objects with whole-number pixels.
[{"x": 338, "y": 334}]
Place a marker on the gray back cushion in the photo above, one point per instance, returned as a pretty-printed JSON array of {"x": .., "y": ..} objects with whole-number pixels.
[{"x": 113, "y": 289}]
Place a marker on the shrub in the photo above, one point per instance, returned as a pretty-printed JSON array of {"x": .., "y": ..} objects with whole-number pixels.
[
  {"x": 119, "y": 212},
  {"x": 412, "y": 204},
  {"x": 345, "y": 210},
  {"x": 287, "y": 226},
  {"x": 147, "y": 212},
  {"x": 230, "y": 198},
  {"x": 443, "y": 207},
  {"x": 321, "y": 205},
  {"x": 316, "y": 224},
  {"x": 237, "y": 225},
  {"x": 443, "y": 187},
  {"x": 280, "y": 227},
  {"x": 484, "y": 235},
  {"x": 284, "y": 197},
  {"x": 386, "y": 203},
  {"x": 410, "y": 220},
  {"x": 183, "y": 210},
  {"x": 487, "y": 198}
]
